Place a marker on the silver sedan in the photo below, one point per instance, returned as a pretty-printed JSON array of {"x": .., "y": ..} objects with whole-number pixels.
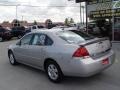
[{"x": 62, "y": 53}]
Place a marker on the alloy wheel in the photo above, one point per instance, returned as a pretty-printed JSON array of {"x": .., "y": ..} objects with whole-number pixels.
[
  {"x": 52, "y": 72},
  {"x": 11, "y": 58}
]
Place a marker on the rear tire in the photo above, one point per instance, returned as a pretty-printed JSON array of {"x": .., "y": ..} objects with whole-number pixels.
[
  {"x": 53, "y": 72},
  {"x": 12, "y": 59}
]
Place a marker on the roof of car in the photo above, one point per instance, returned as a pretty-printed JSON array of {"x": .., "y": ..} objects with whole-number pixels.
[
  {"x": 46, "y": 30},
  {"x": 53, "y": 30}
]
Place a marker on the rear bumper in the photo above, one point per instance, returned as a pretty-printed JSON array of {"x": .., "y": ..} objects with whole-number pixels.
[{"x": 88, "y": 67}]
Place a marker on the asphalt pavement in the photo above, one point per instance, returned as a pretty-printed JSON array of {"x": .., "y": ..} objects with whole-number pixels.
[{"x": 22, "y": 77}]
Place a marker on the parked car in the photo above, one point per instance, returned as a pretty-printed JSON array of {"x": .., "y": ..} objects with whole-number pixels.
[
  {"x": 59, "y": 53},
  {"x": 18, "y": 31},
  {"x": 35, "y": 27},
  {"x": 117, "y": 32},
  {"x": 4, "y": 34},
  {"x": 64, "y": 28}
]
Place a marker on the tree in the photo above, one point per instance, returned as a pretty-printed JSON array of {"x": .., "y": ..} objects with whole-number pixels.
[
  {"x": 49, "y": 23},
  {"x": 66, "y": 22},
  {"x": 16, "y": 23},
  {"x": 71, "y": 20},
  {"x": 35, "y": 22}
]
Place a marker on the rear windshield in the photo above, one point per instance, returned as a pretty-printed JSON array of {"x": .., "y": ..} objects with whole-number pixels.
[{"x": 74, "y": 36}]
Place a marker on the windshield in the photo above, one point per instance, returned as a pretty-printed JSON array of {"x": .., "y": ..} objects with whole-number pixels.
[{"x": 74, "y": 36}]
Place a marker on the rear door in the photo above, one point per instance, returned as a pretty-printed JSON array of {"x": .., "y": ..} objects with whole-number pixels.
[{"x": 36, "y": 52}]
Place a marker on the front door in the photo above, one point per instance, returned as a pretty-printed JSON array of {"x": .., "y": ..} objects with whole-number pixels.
[{"x": 23, "y": 48}]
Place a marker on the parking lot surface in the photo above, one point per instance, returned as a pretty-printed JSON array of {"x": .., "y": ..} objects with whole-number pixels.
[{"x": 22, "y": 77}]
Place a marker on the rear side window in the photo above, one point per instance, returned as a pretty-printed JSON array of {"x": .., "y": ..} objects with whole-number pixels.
[
  {"x": 41, "y": 39},
  {"x": 74, "y": 36},
  {"x": 48, "y": 41}
]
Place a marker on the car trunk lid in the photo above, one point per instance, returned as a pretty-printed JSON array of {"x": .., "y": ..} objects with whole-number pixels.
[{"x": 97, "y": 46}]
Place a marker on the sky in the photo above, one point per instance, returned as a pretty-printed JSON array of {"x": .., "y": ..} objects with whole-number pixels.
[{"x": 39, "y": 10}]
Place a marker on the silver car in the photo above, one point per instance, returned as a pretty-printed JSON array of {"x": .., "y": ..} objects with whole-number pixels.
[{"x": 63, "y": 53}]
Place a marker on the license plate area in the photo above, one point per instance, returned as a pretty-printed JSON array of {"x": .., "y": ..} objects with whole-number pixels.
[{"x": 105, "y": 61}]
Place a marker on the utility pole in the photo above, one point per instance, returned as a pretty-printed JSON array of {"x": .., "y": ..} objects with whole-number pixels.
[
  {"x": 16, "y": 11},
  {"x": 86, "y": 16},
  {"x": 80, "y": 14},
  {"x": 83, "y": 8},
  {"x": 22, "y": 18}
]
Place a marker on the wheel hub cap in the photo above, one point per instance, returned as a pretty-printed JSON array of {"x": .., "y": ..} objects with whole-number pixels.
[
  {"x": 11, "y": 59},
  {"x": 52, "y": 72}
]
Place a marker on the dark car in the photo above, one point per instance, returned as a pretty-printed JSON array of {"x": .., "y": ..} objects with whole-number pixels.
[
  {"x": 4, "y": 34},
  {"x": 117, "y": 32},
  {"x": 18, "y": 31},
  {"x": 34, "y": 27}
]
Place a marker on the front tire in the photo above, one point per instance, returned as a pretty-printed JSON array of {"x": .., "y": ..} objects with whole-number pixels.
[
  {"x": 12, "y": 59},
  {"x": 54, "y": 72}
]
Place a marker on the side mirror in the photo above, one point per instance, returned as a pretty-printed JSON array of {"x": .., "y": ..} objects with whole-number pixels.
[{"x": 18, "y": 43}]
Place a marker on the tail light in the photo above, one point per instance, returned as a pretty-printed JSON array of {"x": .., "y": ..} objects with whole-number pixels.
[{"x": 81, "y": 52}]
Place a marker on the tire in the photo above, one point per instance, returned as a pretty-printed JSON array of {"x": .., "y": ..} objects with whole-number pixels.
[
  {"x": 19, "y": 36},
  {"x": 12, "y": 59},
  {"x": 9, "y": 38},
  {"x": 1, "y": 39},
  {"x": 53, "y": 72}
]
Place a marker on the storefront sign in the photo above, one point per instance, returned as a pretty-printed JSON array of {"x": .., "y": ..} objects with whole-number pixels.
[
  {"x": 97, "y": 1},
  {"x": 103, "y": 8},
  {"x": 105, "y": 13}
]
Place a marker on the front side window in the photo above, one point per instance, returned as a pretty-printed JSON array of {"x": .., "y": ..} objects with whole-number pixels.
[{"x": 26, "y": 40}]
